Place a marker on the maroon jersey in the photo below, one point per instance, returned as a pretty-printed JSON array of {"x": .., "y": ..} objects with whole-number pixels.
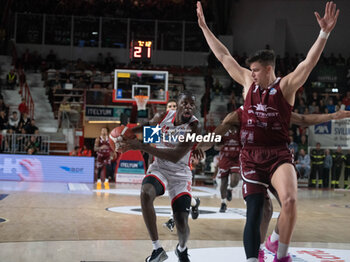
[
  {"x": 103, "y": 154},
  {"x": 229, "y": 153},
  {"x": 265, "y": 117}
]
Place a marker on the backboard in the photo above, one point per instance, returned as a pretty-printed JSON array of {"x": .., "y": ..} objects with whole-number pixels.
[{"x": 128, "y": 83}]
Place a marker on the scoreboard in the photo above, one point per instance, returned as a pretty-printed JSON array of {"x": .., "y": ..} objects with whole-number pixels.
[{"x": 141, "y": 51}]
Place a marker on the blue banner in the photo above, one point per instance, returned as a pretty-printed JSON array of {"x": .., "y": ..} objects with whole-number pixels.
[{"x": 47, "y": 168}]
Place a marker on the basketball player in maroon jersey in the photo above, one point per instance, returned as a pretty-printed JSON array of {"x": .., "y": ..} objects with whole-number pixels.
[
  {"x": 265, "y": 157},
  {"x": 233, "y": 119},
  {"x": 228, "y": 166},
  {"x": 103, "y": 151}
]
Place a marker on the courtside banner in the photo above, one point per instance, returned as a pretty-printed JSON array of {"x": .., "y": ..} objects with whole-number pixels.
[
  {"x": 331, "y": 134},
  {"x": 46, "y": 168}
]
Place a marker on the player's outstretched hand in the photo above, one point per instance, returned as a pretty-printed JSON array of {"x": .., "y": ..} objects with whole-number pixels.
[
  {"x": 341, "y": 114},
  {"x": 200, "y": 15},
  {"x": 198, "y": 154},
  {"x": 328, "y": 21}
]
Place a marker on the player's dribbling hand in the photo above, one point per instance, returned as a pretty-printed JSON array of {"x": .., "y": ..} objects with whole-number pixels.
[
  {"x": 200, "y": 15},
  {"x": 198, "y": 154},
  {"x": 328, "y": 21},
  {"x": 130, "y": 144}
]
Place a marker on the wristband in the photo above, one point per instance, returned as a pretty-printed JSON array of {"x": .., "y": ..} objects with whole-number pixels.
[{"x": 323, "y": 34}]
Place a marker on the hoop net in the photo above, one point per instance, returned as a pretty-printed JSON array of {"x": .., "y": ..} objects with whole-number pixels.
[{"x": 141, "y": 102}]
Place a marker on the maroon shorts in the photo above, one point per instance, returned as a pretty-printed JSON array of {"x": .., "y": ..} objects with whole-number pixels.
[{"x": 258, "y": 164}]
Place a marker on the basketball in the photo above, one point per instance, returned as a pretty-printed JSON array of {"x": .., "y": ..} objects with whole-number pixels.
[{"x": 118, "y": 134}]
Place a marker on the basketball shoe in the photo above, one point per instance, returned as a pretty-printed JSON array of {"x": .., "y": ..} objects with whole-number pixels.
[
  {"x": 271, "y": 246},
  {"x": 170, "y": 224},
  {"x": 158, "y": 255},
  {"x": 194, "y": 210},
  {"x": 261, "y": 256},
  {"x": 99, "y": 184},
  {"x": 283, "y": 259},
  {"x": 183, "y": 256}
]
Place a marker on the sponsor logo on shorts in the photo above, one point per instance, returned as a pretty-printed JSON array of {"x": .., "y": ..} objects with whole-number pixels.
[{"x": 249, "y": 172}]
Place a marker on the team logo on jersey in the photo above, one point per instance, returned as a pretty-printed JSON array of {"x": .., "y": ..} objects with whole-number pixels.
[
  {"x": 151, "y": 134},
  {"x": 273, "y": 91},
  {"x": 324, "y": 128}
]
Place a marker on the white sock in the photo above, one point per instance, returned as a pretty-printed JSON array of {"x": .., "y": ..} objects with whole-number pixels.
[
  {"x": 229, "y": 188},
  {"x": 181, "y": 249},
  {"x": 156, "y": 244},
  {"x": 252, "y": 259},
  {"x": 106, "y": 180},
  {"x": 223, "y": 200},
  {"x": 282, "y": 250},
  {"x": 193, "y": 202},
  {"x": 261, "y": 246},
  {"x": 274, "y": 236},
  {"x": 98, "y": 180}
]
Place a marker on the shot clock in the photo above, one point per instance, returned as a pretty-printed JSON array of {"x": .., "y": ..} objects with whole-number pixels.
[{"x": 141, "y": 51}]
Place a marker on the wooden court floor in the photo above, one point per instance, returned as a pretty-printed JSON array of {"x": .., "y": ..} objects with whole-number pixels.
[{"x": 65, "y": 226}]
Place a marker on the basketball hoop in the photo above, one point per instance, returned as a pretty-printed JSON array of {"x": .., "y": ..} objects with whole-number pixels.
[{"x": 141, "y": 102}]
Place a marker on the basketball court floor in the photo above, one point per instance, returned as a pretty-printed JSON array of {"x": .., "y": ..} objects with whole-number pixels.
[{"x": 75, "y": 222}]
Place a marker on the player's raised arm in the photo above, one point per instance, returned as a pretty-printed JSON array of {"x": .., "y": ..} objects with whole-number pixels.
[
  {"x": 298, "y": 77},
  {"x": 238, "y": 73},
  {"x": 314, "y": 119}
]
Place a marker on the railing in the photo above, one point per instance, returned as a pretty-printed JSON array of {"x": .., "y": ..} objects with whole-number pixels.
[
  {"x": 21, "y": 144},
  {"x": 24, "y": 89},
  {"x": 103, "y": 32}
]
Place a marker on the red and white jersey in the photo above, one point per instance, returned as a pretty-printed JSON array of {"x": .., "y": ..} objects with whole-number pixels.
[
  {"x": 170, "y": 132},
  {"x": 265, "y": 117}
]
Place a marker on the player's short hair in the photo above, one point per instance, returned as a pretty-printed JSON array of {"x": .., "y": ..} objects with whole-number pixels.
[
  {"x": 171, "y": 101},
  {"x": 186, "y": 94},
  {"x": 265, "y": 57}
]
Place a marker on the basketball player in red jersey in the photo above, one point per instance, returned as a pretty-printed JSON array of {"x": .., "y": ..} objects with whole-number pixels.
[
  {"x": 265, "y": 157},
  {"x": 170, "y": 170},
  {"x": 103, "y": 151},
  {"x": 233, "y": 119}
]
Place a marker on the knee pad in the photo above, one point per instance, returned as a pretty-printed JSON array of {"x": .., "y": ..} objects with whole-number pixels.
[
  {"x": 182, "y": 204},
  {"x": 157, "y": 185}
]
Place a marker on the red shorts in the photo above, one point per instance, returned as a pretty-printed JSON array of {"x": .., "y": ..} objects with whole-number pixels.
[
  {"x": 226, "y": 172},
  {"x": 258, "y": 164}
]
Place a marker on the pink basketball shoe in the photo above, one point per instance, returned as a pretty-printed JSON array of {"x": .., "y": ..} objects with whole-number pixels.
[
  {"x": 271, "y": 246},
  {"x": 261, "y": 257},
  {"x": 283, "y": 259}
]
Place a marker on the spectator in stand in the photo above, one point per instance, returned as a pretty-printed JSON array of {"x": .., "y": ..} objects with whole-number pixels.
[
  {"x": 31, "y": 128},
  {"x": 322, "y": 106},
  {"x": 314, "y": 98},
  {"x": 11, "y": 79},
  {"x": 3, "y": 106},
  {"x": 85, "y": 151},
  {"x": 26, "y": 59},
  {"x": 33, "y": 145},
  {"x": 330, "y": 106},
  {"x": 3, "y": 120},
  {"x": 312, "y": 107},
  {"x": 14, "y": 122},
  {"x": 75, "y": 152},
  {"x": 301, "y": 108},
  {"x": 346, "y": 101},
  {"x": 328, "y": 162},
  {"x": 24, "y": 122},
  {"x": 303, "y": 144},
  {"x": 22, "y": 107},
  {"x": 338, "y": 159},
  {"x": 303, "y": 164},
  {"x": 65, "y": 108},
  {"x": 293, "y": 146}
]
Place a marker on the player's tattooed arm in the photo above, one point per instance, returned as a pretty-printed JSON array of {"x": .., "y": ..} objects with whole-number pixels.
[
  {"x": 153, "y": 122},
  {"x": 314, "y": 119}
]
